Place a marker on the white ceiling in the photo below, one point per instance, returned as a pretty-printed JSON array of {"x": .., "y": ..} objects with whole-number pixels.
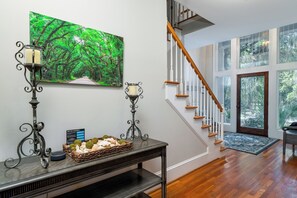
[{"x": 235, "y": 18}]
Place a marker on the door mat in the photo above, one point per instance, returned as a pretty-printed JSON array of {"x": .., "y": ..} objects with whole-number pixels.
[{"x": 247, "y": 143}]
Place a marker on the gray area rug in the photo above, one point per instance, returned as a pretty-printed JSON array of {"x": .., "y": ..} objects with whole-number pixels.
[{"x": 247, "y": 143}]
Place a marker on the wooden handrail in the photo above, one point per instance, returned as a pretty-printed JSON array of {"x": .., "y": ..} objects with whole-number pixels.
[{"x": 193, "y": 65}]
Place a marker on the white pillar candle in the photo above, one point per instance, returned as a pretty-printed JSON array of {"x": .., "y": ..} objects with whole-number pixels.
[
  {"x": 132, "y": 90},
  {"x": 29, "y": 55}
]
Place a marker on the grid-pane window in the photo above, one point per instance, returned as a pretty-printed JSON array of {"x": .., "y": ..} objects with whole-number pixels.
[
  {"x": 288, "y": 43},
  {"x": 224, "y": 96},
  {"x": 224, "y": 56},
  {"x": 254, "y": 50},
  {"x": 287, "y": 90}
]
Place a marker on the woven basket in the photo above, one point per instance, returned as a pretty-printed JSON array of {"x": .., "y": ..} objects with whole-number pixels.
[{"x": 81, "y": 157}]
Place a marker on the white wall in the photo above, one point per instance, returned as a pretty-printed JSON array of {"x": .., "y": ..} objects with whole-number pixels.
[
  {"x": 100, "y": 110},
  {"x": 203, "y": 58}
]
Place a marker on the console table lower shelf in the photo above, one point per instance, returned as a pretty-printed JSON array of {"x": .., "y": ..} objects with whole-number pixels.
[
  {"x": 29, "y": 179},
  {"x": 131, "y": 183}
]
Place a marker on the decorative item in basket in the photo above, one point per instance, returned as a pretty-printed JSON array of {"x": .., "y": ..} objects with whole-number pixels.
[{"x": 96, "y": 148}]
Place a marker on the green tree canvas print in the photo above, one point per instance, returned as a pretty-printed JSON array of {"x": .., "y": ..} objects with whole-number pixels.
[{"x": 75, "y": 54}]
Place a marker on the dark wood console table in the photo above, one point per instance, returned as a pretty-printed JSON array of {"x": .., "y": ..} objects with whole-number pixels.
[{"x": 30, "y": 179}]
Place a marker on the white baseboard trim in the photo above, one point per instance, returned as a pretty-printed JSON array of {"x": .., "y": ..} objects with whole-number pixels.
[{"x": 182, "y": 168}]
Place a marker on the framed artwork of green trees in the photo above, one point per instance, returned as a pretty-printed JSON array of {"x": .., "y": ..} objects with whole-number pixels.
[{"x": 74, "y": 54}]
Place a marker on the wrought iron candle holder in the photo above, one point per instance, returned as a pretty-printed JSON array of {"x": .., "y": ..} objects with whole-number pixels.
[
  {"x": 32, "y": 62},
  {"x": 133, "y": 91}
]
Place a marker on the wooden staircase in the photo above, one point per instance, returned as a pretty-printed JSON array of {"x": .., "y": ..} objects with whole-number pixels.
[{"x": 193, "y": 90}]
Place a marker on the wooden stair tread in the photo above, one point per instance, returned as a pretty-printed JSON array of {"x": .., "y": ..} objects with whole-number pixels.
[
  {"x": 212, "y": 134},
  {"x": 182, "y": 95},
  {"x": 222, "y": 148},
  {"x": 171, "y": 82},
  {"x": 218, "y": 142},
  {"x": 198, "y": 117},
  {"x": 191, "y": 107},
  {"x": 205, "y": 126}
]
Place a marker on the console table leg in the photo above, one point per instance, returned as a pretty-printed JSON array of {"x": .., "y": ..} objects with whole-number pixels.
[{"x": 164, "y": 173}]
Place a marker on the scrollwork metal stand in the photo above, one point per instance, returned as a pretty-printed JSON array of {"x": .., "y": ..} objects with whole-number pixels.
[
  {"x": 38, "y": 141},
  {"x": 134, "y": 99}
]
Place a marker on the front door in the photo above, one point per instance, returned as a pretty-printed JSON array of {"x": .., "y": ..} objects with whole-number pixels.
[{"x": 252, "y": 103}]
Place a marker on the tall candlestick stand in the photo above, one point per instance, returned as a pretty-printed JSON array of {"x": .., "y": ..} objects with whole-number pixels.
[
  {"x": 133, "y": 91},
  {"x": 31, "y": 56}
]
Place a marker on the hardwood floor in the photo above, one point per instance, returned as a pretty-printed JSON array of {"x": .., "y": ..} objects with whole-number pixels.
[{"x": 240, "y": 175}]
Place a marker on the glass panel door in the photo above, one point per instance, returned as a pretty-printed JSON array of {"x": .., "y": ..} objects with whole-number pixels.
[{"x": 252, "y": 103}]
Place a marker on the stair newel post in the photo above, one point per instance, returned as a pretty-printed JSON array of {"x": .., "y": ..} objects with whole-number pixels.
[
  {"x": 209, "y": 109},
  {"x": 213, "y": 116},
  {"x": 193, "y": 76},
  {"x": 171, "y": 58},
  {"x": 217, "y": 121},
  {"x": 181, "y": 84},
  {"x": 207, "y": 106},
  {"x": 203, "y": 101},
  {"x": 188, "y": 79},
  {"x": 197, "y": 92},
  {"x": 219, "y": 124},
  {"x": 205, "y": 114},
  {"x": 176, "y": 62},
  {"x": 190, "y": 87},
  {"x": 222, "y": 125},
  {"x": 194, "y": 85},
  {"x": 210, "y": 113},
  {"x": 200, "y": 98}
]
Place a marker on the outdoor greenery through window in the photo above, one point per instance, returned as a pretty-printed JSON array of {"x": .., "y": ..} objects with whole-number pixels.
[
  {"x": 254, "y": 50},
  {"x": 287, "y": 97},
  {"x": 252, "y": 102},
  {"x": 224, "y": 96},
  {"x": 288, "y": 43},
  {"x": 224, "y": 56}
]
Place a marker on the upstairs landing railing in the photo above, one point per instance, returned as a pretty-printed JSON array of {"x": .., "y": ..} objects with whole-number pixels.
[
  {"x": 191, "y": 84},
  {"x": 178, "y": 13}
]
